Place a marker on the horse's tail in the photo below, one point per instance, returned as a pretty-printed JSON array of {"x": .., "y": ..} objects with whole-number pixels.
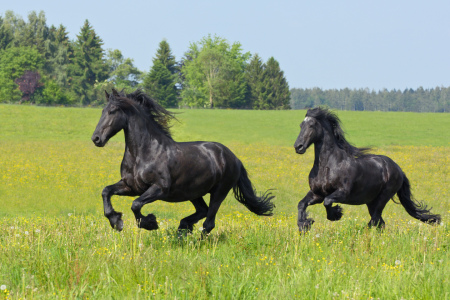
[
  {"x": 246, "y": 194},
  {"x": 415, "y": 208}
]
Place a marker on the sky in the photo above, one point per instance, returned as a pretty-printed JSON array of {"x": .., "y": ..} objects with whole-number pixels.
[{"x": 328, "y": 44}]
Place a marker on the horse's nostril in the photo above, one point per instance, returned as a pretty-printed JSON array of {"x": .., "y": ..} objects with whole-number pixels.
[
  {"x": 96, "y": 139},
  {"x": 299, "y": 148}
]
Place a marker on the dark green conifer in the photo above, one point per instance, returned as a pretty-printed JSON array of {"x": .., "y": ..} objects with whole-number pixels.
[
  {"x": 88, "y": 65},
  {"x": 276, "y": 86},
  {"x": 160, "y": 82}
]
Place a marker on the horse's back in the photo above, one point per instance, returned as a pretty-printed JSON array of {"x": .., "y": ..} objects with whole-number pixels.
[
  {"x": 215, "y": 148},
  {"x": 383, "y": 165}
]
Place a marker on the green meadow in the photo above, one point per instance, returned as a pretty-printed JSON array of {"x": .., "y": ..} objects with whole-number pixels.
[{"x": 56, "y": 243}]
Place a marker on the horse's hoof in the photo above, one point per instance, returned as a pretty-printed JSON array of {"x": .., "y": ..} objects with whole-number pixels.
[
  {"x": 378, "y": 225},
  {"x": 119, "y": 225},
  {"x": 148, "y": 222},
  {"x": 115, "y": 220},
  {"x": 334, "y": 213},
  {"x": 304, "y": 226},
  {"x": 204, "y": 235},
  {"x": 182, "y": 233}
]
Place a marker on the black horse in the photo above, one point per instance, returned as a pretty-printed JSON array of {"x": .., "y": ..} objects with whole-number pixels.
[
  {"x": 155, "y": 167},
  {"x": 345, "y": 174}
]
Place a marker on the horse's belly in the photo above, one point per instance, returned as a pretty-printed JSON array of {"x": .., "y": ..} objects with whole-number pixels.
[
  {"x": 365, "y": 191},
  {"x": 190, "y": 188}
]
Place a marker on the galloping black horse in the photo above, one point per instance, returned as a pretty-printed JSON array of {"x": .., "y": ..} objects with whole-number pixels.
[
  {"x": 345, "y": 174},
  {"x": 155, "y": 167}
]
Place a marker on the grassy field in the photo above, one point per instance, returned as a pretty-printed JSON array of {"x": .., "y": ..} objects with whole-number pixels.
[{"x": 55, "y": 242}]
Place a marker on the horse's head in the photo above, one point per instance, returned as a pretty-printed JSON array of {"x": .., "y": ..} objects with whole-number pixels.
[
  {"x": 310, "y": 130},
  {"x": 113, "y": 120}
]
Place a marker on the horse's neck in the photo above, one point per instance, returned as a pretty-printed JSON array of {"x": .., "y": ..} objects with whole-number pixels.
[
  {"x": 141, "y": 135},
  {"x": 324, "y": 150}
]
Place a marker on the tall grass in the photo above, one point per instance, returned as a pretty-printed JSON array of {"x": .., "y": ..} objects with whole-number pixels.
[
  {"x": 79, "y": 256},
  {"x": 55, "y": 242}
]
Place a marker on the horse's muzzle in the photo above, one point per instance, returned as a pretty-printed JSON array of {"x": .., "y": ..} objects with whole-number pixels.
[
  {"x": 300, "y": 149},
  {"x": 97, "y": 140}
]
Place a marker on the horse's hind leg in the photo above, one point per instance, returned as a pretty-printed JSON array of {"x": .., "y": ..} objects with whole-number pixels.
[
  {"x": 376, "y": 208},
  {"x": 217, "y": 198},
  {"x": 201, "y": 210},
  {"x": 376, "y": 219}
]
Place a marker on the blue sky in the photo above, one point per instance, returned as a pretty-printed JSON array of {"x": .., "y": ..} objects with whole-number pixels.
[{"x": 328, "y": 44}]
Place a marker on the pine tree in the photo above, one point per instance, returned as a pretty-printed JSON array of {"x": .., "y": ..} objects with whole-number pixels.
[
  {"x": 276, "y": 86},
  {"x": 254, "y": 75},
  {"x": 165, "y": 56},
  {"x": 160, "y": 82},
  {"x": 88, "y": 64},
  {"x": 61, "y": 36}
]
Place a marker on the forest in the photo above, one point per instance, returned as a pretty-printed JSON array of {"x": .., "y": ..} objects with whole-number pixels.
[
  {"x": 40, "y": 64},
  {"x": 419, "y": 100}
]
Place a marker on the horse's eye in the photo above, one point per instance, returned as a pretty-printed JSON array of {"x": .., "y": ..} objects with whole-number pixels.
[{"x": 112, "y": 111}]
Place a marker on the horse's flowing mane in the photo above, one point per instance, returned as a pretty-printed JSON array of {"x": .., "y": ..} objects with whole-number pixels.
[
  {"x": 149, "y": 106},
  {"x": 331, "y": 122}
]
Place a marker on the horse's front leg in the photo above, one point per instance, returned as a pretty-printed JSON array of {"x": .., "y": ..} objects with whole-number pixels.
[
  {"x": 114, "y": 217},
  {"x": 304, "y": 223},
  {"x": 334, "y": 213},
  {"x": 148, "y": 222}
]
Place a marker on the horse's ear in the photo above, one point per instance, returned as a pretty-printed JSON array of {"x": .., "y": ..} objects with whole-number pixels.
[
  {"x": 107, "y": 95},
  {"x": 115, "y": 93}
]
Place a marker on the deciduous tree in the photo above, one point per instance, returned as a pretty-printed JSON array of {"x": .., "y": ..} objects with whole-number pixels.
[
  {"x": 28, "y": 84},
  {"x": 122, "y": 72},
  {"x": 6, "y": 35},
  {"x": 14, "y": 62},
  {"x": 214, "y": 74}
]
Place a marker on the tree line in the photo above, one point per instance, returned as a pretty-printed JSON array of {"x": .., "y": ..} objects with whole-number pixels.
[
  {"x": 419, "y": 100},
  {"x": 39, "y": 64}
]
